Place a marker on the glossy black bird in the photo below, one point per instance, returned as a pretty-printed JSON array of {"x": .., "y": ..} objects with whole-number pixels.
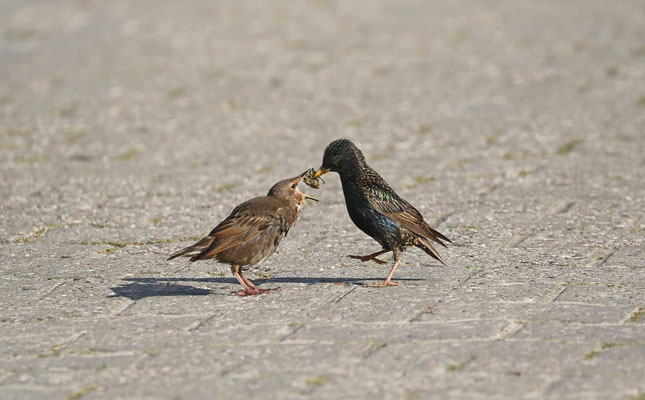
[
  {"x": 252, "y": 232},
  {"x": 376, "y": 209}
]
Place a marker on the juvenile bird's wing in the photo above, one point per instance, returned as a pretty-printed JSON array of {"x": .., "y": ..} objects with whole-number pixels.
[
  {"x": 245, "y": 223},
  {"x": 385, "y": 201}
]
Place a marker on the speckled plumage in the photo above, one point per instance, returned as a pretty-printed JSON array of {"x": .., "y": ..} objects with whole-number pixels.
[
  {"x": 375, "y": 207},
  {"x": 251, "y": 232}
]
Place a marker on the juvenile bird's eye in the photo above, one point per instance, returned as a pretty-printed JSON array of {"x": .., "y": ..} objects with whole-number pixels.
[{"x": 293, "y": 186}]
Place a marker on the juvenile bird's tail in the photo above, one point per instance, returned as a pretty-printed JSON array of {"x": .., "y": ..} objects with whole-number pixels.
[{"x": 195, "y": 250}]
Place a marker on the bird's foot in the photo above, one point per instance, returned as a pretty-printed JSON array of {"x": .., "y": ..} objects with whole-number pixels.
[
  {"x": 382, "y": 284},
  {"x": 251, "y": 292},
  {"x": 368, "y": 258},
  {"x": 260, "y": 291},
  {"x": 245, "y": 292}
]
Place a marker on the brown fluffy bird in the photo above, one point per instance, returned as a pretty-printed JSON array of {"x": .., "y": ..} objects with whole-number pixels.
[
  {"x": 252, "y": 232},
  {"x": 375, "y": 207}
]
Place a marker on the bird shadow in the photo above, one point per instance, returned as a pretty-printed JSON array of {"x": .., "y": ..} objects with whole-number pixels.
[{"x": 140, "y": 288}]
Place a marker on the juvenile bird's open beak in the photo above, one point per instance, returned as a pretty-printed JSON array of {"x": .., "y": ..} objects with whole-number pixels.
[
  {"x": 321, "y": 171},
  {"x": 297, "y": 181}
]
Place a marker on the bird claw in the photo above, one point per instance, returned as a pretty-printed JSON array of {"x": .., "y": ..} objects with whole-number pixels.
[
  {"x": 368, "y": 258},
  {"x": 254, "y": 292},
  {"x": 382, "y": 284}
]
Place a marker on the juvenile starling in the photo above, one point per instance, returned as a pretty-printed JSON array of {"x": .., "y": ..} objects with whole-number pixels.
[
  {"x": 376, "y": 209},
  {"x": 252, "y": 232}
]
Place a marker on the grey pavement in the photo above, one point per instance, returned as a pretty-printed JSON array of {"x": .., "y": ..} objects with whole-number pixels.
[{"x": 130, "y": 128}]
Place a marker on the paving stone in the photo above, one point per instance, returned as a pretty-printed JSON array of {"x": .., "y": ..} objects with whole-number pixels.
[{"x": 130, "y": 129}]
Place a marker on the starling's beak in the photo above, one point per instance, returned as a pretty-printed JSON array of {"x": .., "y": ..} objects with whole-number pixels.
[{"x": 321, "y": 171}]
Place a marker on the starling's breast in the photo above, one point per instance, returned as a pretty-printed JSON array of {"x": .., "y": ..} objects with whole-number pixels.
[{"x": 382, "y": 229}]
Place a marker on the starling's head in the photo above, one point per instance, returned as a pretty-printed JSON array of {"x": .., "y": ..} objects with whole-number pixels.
[
  {"x": 341, "y": 156},
  {"x": 287, "y": 189}
]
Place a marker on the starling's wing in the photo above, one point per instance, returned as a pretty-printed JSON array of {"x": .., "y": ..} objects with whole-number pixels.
[
  {"x": 245, "y": 223},
  {"x": 386, "y": 202}
]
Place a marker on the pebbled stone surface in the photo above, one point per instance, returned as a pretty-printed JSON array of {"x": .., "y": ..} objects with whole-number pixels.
[{"x": 129, "y": 129}]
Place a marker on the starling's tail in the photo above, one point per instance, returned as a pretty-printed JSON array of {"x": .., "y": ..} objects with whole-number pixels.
[
  {"x": 435, "y": 235},
  {"x": 195, "y": 250},
  {"x": 425, "y": 245}
]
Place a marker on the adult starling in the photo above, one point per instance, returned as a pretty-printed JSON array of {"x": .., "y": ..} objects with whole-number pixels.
[
  {"x": 376, "y": 209},
  {"x": 252, "y": 232}
]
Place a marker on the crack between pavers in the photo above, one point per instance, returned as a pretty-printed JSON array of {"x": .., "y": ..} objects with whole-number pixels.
[
  {"x": 553, "y": 295},
  {"x": 509, "y": 330},
  {"x": 53, "y": 287},
  {"x": 122, "y": 309},
  {"x": 291, "y": 334},
  {"x": 606, "y": 257},
  {"x": 342, "y": 296},
  {"x": 198, "y": 324}
]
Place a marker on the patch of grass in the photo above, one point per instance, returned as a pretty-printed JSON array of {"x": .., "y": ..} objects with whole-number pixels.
[
  {"x": 217, "y": 274},
  {"x": 175, "y": 93},
  {"x": 152, "y": 352},
  {"x": 567, "y": 284},
  {"x": 21, "y": 132},
  {"x": 139, "y": 243},
  {"x": 264, "y": 169},
  {"x": 568, "y": 147},
  {"x": 214, "y": 73},
  {"x": 412, "y": 394},
  {"x": 317, "y": 380},
  {"x": 582, "y": 88},
  {"x": 126, "y": 155},
  {"x": 81, "y": 392},
  {"x": 83, "y": 352},
  {"x": 21, "y": 34},
  {"x": 156, "y": 220},
  {"x": 640, "y": 396},
  {"x": 463, "y": 161},
  {"x": 520, "y": 322},
  {"x": 516, "y": 156},
  {"x": 613, "y": 285},
  {"x": 226, "y": 187},
  {"x": 418, "y": 181},
  {"x": 37, "y": 233},
  {"x": 107, "y": 250},
  {"x": 73, "y": 137},
  {"x": 473, "y": 227},
  {"x": 373, "y": 347},
  {"x": 523, "y": 173},
  {"x": 641, "y": 101},
  {"x": 493, "y": 137},
  {"x": 294, "y": 324},
  {"x": 54, "y": 351},
  {"x": 67, "y": 110},
  {"x": 611, "y": 71},
  {"x": 424, "y": 129},
  {"x": 5, "y": 99},
  {"x": 591, "y": 354},
  {"x": 608, "y": 345},
  {"x": 30, "y": 160},
  {"x": 639, "y": 51},
  {"x": 636, "y": 315},
  {"x": 358, "y": 121},
  {"x": 454, "y": 367},
  {"x": 475, "y": 266},
  {"x": 262, "y": 276}
]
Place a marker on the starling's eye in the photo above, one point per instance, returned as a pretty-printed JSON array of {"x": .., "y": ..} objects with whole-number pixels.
[{"x": 293, "y": 186}]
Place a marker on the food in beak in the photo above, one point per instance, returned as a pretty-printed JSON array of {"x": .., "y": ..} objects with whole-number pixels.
[{"x": 312, "y": 178}]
